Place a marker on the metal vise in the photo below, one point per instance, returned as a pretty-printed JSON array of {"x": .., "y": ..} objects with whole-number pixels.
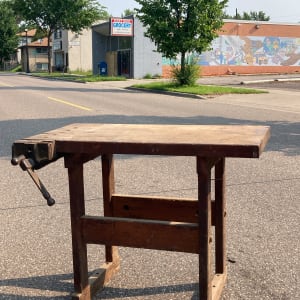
[{"x": 32, "y": 157}]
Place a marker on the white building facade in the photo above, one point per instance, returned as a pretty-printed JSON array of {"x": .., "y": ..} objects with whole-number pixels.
[{"x": 119, "y": 44}]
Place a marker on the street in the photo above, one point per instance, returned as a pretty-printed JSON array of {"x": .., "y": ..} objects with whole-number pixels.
[{"x": 262, "y": 194}]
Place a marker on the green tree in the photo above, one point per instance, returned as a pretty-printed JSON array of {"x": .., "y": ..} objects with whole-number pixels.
[
  {"x": 105, "y": 15},
  {"x": 179, "y": 27},
  {"x": 8, "y": 31},
  {"x": 127, "y": 12},
  {"x": 51, "y": 15},
  {"x": 251, "y": 16}
]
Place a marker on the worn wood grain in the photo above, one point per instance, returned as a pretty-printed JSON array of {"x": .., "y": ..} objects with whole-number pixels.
[
  {"x": 148, "y": 234},
  {"x": 157, "y": 208},
  {"x": 205, "y": 232},
  {"x": 220, "y": 217},
  {"x": 203, "y": 140},
  {"x": 218, "y": 283},
  {"x": 77, "y": 209},
  {"x": 108, "y": 185}
]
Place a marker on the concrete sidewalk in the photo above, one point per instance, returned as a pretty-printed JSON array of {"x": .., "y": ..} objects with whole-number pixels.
[{"x": 213, "y": 80}]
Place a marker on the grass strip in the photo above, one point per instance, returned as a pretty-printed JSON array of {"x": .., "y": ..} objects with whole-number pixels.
[
  {"x": 198, "y": 89},
  {"x": 78, "y": 77}
]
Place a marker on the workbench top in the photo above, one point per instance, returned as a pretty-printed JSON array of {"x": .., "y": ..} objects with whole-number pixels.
[{"x": 149, "y": 139}]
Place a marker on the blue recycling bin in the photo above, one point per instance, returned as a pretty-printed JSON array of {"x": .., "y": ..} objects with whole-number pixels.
[{"x": 102, "y": 68}]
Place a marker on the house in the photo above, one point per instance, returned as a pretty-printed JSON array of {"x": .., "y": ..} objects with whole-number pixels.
[
  {"x": 15, "y": 58},
  {"x": 72, "y": 51},
  {"x": 34, "y": 55},
  {"x": 24, "y": 37}
]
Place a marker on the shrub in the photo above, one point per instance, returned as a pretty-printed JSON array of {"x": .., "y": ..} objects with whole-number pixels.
[
  {"x": 188, "y": 75},
  {"x": 148, "y": 76}
]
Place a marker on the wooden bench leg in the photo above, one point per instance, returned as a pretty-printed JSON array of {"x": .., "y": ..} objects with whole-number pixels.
[
  {"x": 108, "y": 183},
  {"x": 85, "y": 287},
  {"x": 80, "y": 264},
  {"x": 205, "y": 238},
  {"x": 220, "y": 230},
  {"x": 220, "y": 211}
]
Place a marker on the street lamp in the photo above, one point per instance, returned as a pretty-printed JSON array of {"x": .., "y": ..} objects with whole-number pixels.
[{"x": 27, "y": 56}]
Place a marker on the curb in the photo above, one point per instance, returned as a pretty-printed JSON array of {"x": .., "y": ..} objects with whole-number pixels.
[
  {"x": 176, "y": 94},
  {"x": 270, "y": 80}
]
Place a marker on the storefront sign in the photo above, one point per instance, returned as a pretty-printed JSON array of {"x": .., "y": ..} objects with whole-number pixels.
[{"x": 121, "y": 27}]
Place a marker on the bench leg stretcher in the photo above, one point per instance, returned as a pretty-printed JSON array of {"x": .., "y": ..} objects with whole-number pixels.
[{"x": 197, "y": 229}]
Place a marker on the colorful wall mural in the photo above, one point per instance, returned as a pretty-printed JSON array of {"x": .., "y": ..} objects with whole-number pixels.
[{"x": 250, "y": 51}]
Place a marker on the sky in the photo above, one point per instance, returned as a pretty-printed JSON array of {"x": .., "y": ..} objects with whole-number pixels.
[{"x": 287, "y": 11}]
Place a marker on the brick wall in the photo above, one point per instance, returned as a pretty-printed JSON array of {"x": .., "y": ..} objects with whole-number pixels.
[{"x": 245, "y": 47}]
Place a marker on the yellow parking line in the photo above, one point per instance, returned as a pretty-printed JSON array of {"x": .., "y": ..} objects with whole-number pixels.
[
  {"x": 70, "y": 103},
  {"x": 5, "y": 84}
]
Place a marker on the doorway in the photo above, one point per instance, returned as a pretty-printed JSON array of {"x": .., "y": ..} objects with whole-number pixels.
[{"x": 124, "y": 63}]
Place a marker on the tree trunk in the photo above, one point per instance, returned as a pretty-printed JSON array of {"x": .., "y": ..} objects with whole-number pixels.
[
  {"x": 182, "y": 62},
  {"x": 49, "y": 52}
]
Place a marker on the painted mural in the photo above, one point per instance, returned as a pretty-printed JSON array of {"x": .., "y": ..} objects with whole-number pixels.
[{"x": 250, "y": 50}]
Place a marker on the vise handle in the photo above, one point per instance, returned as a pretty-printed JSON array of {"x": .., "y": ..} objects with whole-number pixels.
[{"x": 28, "y": 164}]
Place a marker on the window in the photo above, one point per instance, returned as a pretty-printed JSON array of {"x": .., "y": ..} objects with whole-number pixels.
[
  {"x": 57, "y": 45},
  {"x": 57, "y": 34},
  {"x": 41, "y": 50},
  {"x": 125, "y": 42},
  {"x": 41, "y": 66}
]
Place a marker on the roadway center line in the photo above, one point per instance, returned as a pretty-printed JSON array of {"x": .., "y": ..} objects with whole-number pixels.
[
  {"x": 70, "y": 103},
  {"x": 5, "y": 84}
]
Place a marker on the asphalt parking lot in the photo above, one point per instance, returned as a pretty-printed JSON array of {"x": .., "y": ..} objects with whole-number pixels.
[
  {"x": 282, "y": 85},
  {"x": 268, "y": 81},
  {"x": 262, "y": 194}
]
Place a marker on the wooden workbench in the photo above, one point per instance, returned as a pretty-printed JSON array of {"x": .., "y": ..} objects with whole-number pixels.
[{"x": 182, "y": 225}]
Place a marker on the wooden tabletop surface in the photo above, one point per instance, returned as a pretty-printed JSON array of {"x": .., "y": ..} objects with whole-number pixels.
[{"x": 202, "y": 140}]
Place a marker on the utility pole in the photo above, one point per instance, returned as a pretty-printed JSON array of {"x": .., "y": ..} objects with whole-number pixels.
[{"x": 27, "y": 56}]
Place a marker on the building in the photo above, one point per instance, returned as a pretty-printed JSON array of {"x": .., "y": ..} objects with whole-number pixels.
[
  {"x": 119, "y": 44},
  {"x": 243, "y": 47},
  {"x": 34, "y": 55},
  {"x": 72, "y": 51},
  {"x": 250, "y": 47},
  {"x": 15, "y": 58},
  {"x": 37, "y": 59}
]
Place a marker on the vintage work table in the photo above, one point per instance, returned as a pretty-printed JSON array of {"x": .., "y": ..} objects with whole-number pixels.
[{"x": 183, "y": 225}]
